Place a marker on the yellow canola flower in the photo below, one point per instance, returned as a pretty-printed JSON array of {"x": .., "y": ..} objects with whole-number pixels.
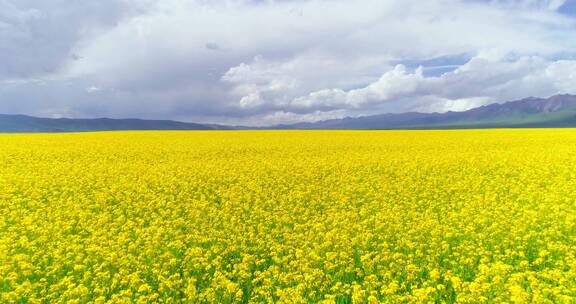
[{"x": 472, "y": 216}]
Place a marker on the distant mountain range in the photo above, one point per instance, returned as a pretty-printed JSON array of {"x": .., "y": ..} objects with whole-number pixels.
[
  {"x": 23, "y": 124},
  {"x": 557, "y": 111}
]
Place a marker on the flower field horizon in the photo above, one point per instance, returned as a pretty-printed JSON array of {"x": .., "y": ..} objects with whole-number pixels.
[{"x": 455, "y": 216}]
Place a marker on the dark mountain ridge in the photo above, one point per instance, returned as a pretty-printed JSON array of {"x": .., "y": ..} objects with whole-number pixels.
[
  {"x": 556, "y": 111},
  {"x": 23, "y": 124}
]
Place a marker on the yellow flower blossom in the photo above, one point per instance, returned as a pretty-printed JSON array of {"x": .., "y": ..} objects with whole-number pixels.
[{"x": 475, "y": 216}]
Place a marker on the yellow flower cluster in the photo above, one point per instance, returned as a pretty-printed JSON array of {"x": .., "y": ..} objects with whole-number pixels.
[{"x": 480, "y": 216}]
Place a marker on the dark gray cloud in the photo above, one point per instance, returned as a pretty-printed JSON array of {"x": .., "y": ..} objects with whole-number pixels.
[
  {"x": 270, "y": 61},
  {"x": 38, "y": 37}
]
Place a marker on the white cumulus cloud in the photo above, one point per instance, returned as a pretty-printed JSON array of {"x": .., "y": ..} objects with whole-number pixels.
[{"x": 250, "y": 61}]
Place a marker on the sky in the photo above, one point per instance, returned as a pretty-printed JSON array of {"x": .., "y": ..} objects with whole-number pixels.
[{"x": 262, "y": 62}]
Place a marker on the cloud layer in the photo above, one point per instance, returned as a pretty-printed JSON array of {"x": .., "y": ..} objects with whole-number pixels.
[{"x": 260, "y": 62}]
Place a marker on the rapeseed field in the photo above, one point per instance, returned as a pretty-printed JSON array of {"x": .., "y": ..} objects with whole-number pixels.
[{"x": 479, "y": 216}]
